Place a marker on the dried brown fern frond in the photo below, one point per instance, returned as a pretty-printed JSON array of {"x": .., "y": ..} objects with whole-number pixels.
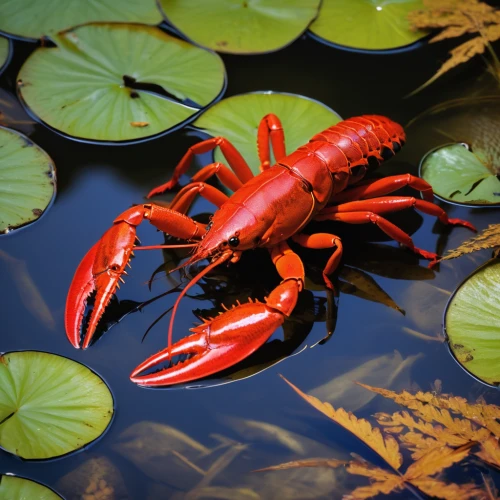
[
  {"x": 489, "y": 238},
  {"x": 435, "y": 434},
  {"x": 457, "y": 18}
]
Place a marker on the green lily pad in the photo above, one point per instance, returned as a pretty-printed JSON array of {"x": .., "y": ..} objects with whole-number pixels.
[
  {"x": 33, "y": 19},
  {"x": 50, "y": 405},
  {"x": 27, "y": 180},
  {"x": 237, "y": 119},
  {"x": 472, "y": 323},
  {"x": 367, "y": 24},
  {"x": 119, "y": 82},
  {"x": 4, "y": 52},
  {"x": 462, "y": 176},
  {"x": 241, "y": 27},
  {"x": 19, "y": 488}
]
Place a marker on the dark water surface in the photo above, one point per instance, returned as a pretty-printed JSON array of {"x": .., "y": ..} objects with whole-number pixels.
[{"x": 239, "y": 423}]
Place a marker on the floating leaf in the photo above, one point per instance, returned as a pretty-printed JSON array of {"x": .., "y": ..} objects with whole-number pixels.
[
  {"x": 463, "y": 176},
  {"x": 50, "y": 405},
  {"x": 489, "y": 238},
  {"x": 27, "y": 180},
  {"x": 102, "y": 80},
  {"x": 19, "y": 488},
  {"x": 472, "y": 323},
  {"x": 238, "y": 27},
  {"x": 33, "y": 19},
  {"x": 4, "y": 52},
  {"x": 386, "y": 447},
  {"x": 237, "y": 119},
  {"x": 367, "y": 24}
]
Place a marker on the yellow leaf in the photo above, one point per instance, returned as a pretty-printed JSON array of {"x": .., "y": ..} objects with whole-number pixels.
[
  {"x": 436, "y": 460},
  {"x": 448, "y": 491},
  {"x": 375, "y": 489},
  {"x": 489, "y": 238},
  {"x": 490, "y": 451},
  {"x": 387, "y": 448},
  {"x": 418, "y": 443}
]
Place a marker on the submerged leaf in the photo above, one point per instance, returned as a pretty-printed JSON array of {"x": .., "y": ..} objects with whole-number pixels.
[
  {"x": 241, "y": 27},
  {"x": 50, "y": 405},
  {"x": 33, "y": 19},
  {"x": 386, "y": 447},
  {"x": 367, "y": 25},
  {"x": 310, "y": 462},
  {"x": 101, "y": 79},
  {"x": 472, "y": 323},
  {"x": 489, "y": 238},
  {"x": 30, "y": 295},
  {"x": 27, "y": 180}
]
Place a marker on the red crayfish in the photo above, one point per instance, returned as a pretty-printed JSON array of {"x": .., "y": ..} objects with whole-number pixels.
[{"x": 322, "y": 180}]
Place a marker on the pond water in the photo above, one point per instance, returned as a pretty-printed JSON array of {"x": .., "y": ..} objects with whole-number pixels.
[{"x": 232, "y": 429}]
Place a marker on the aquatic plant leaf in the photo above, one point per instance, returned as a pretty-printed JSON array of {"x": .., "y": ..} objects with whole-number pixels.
[
  {"x": 367, "y": 25},
  {"x": 458, "y": 18},
  {"x": 119, "y": 82},
  {"x": 20, "y": 488},
  {"x": 27, "y": 180},
  {"x": 33, "y": 19},
  {"x": 489, "y": 238},
  {"x": 237, "y": 118},
  {"x": 241, "y": 27},
  {"x": 472, "y": 323},
  {"x": 4, "y": 52},
  {"x": 50, "y": 405},
  {"x": 29, "y": 293},
  {"x": 97, "y": 478},
  {"x": 388, "y": 370},
  {"x": 365, "y": 287},
  {"x": 310, "y": 462},
  {"x": 386, "y": 447},
  {"x": 462, "y": 176}
]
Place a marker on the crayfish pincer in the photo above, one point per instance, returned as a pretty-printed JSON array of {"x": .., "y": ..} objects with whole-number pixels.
[{"x": 322, "y": 180}]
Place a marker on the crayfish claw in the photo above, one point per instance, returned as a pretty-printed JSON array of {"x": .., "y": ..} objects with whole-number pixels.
[{"x": 100, "y": 270}]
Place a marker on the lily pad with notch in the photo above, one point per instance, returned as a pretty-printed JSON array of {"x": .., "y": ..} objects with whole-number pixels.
[
  {"x": 367, "y": 25},
  {"x": 32, "y": 19},
  {"x": 472, "y": 323},
  {"x": 27, "y": 180},
  {"x": 50, "y": 405},
  {"x": 117, "y": 83},
  {"x": 20, "y": 488},
  {"x": 237, "y": 118},
  {"x": 462, "y": 175},
  {"x": 5, "y": 52},
  {"x": 241, "y": 27}
]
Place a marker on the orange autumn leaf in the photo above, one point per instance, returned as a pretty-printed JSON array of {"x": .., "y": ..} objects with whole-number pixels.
[
  {"x": 387, "y": 447},
  {"x": 489, "y": 238}
]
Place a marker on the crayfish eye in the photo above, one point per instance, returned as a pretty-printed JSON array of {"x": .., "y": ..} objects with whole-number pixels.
[{"x": 234, "y": 241}]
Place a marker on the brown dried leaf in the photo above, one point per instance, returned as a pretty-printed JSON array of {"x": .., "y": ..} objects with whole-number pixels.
[
  {"x": 490, "y": 451},
  {"x": 458, "y": 18},
  {"x": 374, "y": 489},
  {"x": 435, "y": 461},
  {"x": 448, "y": 491},
  {"x": 310, "y": 462},
  {"x": 387, "y": 447},
  {"x": 485, "y": 415},
  {"x": 489, "y": 238},
  {"x": 418, "y": 444}
]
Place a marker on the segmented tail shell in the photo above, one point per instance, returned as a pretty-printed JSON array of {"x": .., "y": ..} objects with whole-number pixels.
[{"x": 357, "y": 141}]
